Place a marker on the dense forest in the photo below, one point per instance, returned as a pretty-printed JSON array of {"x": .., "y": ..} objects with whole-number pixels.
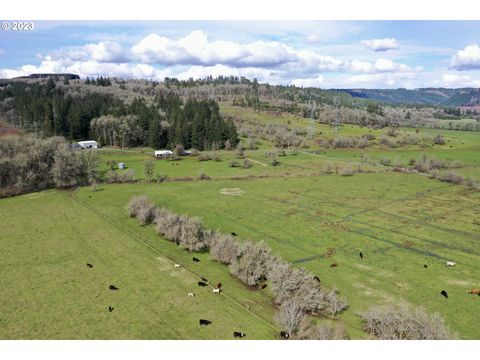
[{"x": 51, "y": 110}]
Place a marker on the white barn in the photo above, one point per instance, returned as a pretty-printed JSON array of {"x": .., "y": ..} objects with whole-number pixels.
[
  {"x": 162, "y": 154},
  {"x": 88, "y": 144}
]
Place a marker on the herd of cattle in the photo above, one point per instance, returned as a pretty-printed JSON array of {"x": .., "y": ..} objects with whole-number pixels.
[
  {"x": 217, "y": 289},
  {"x": 474, "y": 291}
]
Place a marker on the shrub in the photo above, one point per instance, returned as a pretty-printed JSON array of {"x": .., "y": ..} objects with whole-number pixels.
[
  {"x": 400, "y": 322},
  {"x": 451, "y": 177},
  {"x": 247, "y": 164},
  {"x": 386, "y": 161},
  {"x": 439, "y": 140},
  {"x": 179, "y": 150},
  {"x": 146, "y": 214},
  {"x": 233, "y": 163},
  {"x": 457, "y": 164},
  {"x": 120, "y": 177},
  {"x": 148, "y": 169},
  {"x": 203, "y": 176},
  {"x": 323, "y": 331},
  {"x": 161, "y": 177},
  {"x": 141, "y": 208},
  {"x": 348, "y": 171},
  {"x": 191, "y": 234},
  {"x": 168, "y": 224},
  {"x": 251, "y": 267},
  {"x": 224, "y": 248}
]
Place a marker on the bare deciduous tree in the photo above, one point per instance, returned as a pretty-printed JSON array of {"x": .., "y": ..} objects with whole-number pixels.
[{"x": 290, "y": 316}]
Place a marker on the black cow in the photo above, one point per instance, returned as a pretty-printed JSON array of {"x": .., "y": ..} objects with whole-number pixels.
[
  {"x": 425, "y": 266},
  {"x": 89, "y": 265},
  {"x": 361, "y": 255},
  {"x": 204, "y": 322},
  {"x": 110, "y": 308},
  {"x": 284, "y": 334},
  {"x": 239, "y": 334},
  {"x": 234, "y": 234},
  {"x": 316, "y": 278},
  {"x": 263, "y": 286},
  {"x": 201, "y": 283},
  {"x": 196, "y": 259},
  {"x": 113, "y": 287},
  {"x": 203, "y": 279},
  {"x": 444, "y": 293}
]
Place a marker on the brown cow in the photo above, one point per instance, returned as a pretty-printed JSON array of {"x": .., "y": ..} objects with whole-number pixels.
[
  {"x": 475, "y": 292},
  {"x": 334, "y": 265}
]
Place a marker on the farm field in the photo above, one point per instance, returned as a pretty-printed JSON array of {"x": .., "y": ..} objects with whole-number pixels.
[
  {"x": 400, "y": 222},
  {"x": 48, "y": 292}
]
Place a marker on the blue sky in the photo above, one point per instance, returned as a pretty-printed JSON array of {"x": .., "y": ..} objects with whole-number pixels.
[{"x": 327, "y": 54}]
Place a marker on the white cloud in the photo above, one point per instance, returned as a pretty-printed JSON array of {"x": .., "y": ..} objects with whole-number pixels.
[
  {"x": 89, "y": 68},
  {"x": 454, "y": 80},
  {"x": 195, "y": 49},
  {"x": 316, "y": 82},
  {"x": 467, "y": 59},
  {"x": 103, "y": 51},
  {"x": 380, "y": 44}
]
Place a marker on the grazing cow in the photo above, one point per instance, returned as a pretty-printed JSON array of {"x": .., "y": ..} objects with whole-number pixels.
[
  {"x": 234, "y": 234},
  {"x": 203, "y": 279},
  {"x": 425, "y": 266},
  {"x": 263, "y": 286},
  {"x": 216, "y": 291},
  {"x": 444, "y": 293},
  {"x": 284, "y": 334},
  {"x": 219, "y": 285},
  {"x": 239, "y": 334},
  {"x": 196, "y": 259},
  {"x": 110, "y": 308},
  {"x": 177, "y": 265},
  {"x": 361, "y": 255},
  {"x": 113, "y": 287},
  {"x": 201, "y": 283},
  {"x": 191, "y": 294},
  {"x": 316, "y": 278},
  {"x": 204, "y": 322},
  {"x": 451, "y": 263},
  {"x": 475, "y": 292},
  {"x": 333, "y": 265},
  {"x": 89, "y": 265}
]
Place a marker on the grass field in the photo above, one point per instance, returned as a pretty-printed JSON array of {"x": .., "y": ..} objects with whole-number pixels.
[
  {"x": 399, "y": 221},
  {"x": 421, "y": 222},
  {"x": 48, "y": 292}
]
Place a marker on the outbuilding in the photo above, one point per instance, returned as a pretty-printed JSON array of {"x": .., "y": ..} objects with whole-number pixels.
[
  {"x": 163, "y": 154},
  {"x": 88, "y": 144}
]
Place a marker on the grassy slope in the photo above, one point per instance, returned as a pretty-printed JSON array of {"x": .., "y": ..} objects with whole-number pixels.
[
  {"x": 48, "y": 292},
  {"x": 419, "y": 222}
]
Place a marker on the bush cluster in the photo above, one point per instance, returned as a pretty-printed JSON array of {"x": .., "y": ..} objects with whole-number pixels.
[
  {"x": 120, "y": 177},
  {"x": 400, "y": 322}
]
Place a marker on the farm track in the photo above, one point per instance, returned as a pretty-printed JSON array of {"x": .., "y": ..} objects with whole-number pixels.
[{"x": 154, "y": 249}]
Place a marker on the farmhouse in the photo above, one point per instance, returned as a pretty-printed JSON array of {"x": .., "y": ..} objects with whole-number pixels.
[
  {"x": 88, "y": 144},
  {"x": 163, "y": 154}
]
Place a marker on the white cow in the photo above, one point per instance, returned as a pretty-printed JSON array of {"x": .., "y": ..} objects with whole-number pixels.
[
  {"x": 191, "y": 294},
  {"x": 177, "y": 265},
  {"x": 451, "y": 263},
  {"x": 216, "y": 291}
]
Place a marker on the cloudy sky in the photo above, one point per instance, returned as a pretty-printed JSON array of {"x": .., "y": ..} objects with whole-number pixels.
[{"x": 327, "y": 54}]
